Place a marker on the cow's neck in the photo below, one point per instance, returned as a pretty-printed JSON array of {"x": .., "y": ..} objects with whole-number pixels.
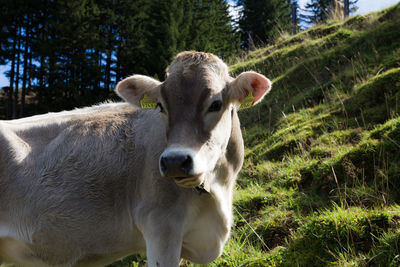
[
  {"x": 228, "y": 169},
  {"x": 230, "y": 165},
  {"x": 235, "y": 149}
]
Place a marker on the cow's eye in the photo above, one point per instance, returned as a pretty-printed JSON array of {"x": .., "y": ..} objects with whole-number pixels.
[
  {"x": 160, "y": 106},
  {"x": 215, "y": 106}
]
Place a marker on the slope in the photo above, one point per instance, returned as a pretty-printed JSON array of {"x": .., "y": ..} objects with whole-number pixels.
[{"x": 321, "y": 179}]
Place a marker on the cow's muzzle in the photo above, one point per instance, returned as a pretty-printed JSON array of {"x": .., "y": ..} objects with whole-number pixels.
[{"x": 176, "y": 165}]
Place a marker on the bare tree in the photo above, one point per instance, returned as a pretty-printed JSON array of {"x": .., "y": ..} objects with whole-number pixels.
[
  {"x": 336, "y": 10},
  {"x": 294, "y": 18},
  {"x": 346, "y": 8},
  {"x": 12, "y": 75},
  {"x": 15, "y": 100}
]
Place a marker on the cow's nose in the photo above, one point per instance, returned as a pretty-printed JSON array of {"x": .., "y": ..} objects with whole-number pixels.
[{"x": 176, "y": 165}]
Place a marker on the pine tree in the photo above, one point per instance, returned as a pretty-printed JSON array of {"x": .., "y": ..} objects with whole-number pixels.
[
  {"x": 212, "y": 28},
  {"x": 319, "y": 10},
  {"x": 168, "y": 33},
  {"x": 263, "y": 19},
  {"x": 164, "y": 28},
  {"x": 27, "y": 61},
  {"x": 71, "y": 53},
  {"x": 5, "y": 21}
]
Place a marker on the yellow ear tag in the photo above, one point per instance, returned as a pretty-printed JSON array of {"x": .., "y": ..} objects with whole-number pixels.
[
  {"x": 147, "y": 102},
  {"x": 247, "y": 102}
]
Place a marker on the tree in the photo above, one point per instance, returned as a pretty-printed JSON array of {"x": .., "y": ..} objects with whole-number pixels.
[
  {"x": 164, "y": 28},
  {"x": 320, "y": 10},
  {"x": 168, "y": 33},
  {"x": 263, "y": 19},
  {"x": 69, "y": 53},
  {"x": 27, "y": 62},
  {"x": 134, "y": 45},
  {"x": 212, "y": 28}
]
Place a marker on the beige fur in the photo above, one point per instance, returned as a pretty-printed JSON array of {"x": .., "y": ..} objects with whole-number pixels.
[
  {"x": 84, "y": 188},
  {"x": 133, "y": 88},
  {"x": 242, "y": 85}
]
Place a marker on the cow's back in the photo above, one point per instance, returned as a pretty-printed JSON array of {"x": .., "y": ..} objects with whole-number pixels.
[{"x": 78, "y": 176}]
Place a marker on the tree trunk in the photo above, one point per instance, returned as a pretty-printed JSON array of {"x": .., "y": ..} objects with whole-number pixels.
[
  {"x": 42, "y": 78},
  {"x": 12, "y": 74},
  {"x": 294, "y": 18},
  {"x": 52, "y": 74},
  {"x": 96, "y": 56},
  {"x": 346, "y": 8},
  {"x": 30, "y": 74},
  {"x": 25, "y": 73},
  {"x": 108, "y": 65},
  {"x": 15, "y": 103},
  {"x": 118, "y": 71},
  {"x": 250, "y": 41},
  {"x": 42, "y": 72}
]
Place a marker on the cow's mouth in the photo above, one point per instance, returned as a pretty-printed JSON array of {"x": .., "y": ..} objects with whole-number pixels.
[{"x": 188, "y": 182}]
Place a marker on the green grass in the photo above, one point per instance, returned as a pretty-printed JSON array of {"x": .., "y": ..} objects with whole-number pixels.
[{"x": 321, "y": 179}]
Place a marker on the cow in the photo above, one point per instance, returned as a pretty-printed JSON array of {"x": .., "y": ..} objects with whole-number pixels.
[{"x": 89, "y": 186}]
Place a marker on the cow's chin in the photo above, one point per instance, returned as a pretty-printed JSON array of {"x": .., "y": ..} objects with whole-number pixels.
[{"x": 189, "y": 182}]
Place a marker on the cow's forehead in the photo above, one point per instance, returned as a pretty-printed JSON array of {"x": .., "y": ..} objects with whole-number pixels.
[
  {"x": 179, "y": 90},
  {"x": 193, "y": 82},
  {"x": 192, "y": 77},
  {"x": 187, "y": 61}
]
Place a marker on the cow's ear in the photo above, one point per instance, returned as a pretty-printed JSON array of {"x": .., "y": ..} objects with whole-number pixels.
[
  {"x": 249, "y": 88},
  {"x": 139, "y": 90}
]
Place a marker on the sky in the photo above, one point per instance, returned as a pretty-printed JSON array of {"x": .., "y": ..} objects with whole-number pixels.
[{"x": 364, "y": 6}]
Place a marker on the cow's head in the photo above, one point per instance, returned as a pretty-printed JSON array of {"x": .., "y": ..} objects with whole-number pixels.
[{"x": 197, "y": 101}]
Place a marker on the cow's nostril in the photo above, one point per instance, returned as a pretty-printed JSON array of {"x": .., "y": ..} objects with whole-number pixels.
[
  {"x": 178, "y": 165},
  {"x": 187, "y": 165},
  {"x": 163, "y": 164}
]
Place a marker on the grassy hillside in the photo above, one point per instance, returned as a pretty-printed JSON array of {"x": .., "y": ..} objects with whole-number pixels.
[{"x": 321, "y": 179}]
